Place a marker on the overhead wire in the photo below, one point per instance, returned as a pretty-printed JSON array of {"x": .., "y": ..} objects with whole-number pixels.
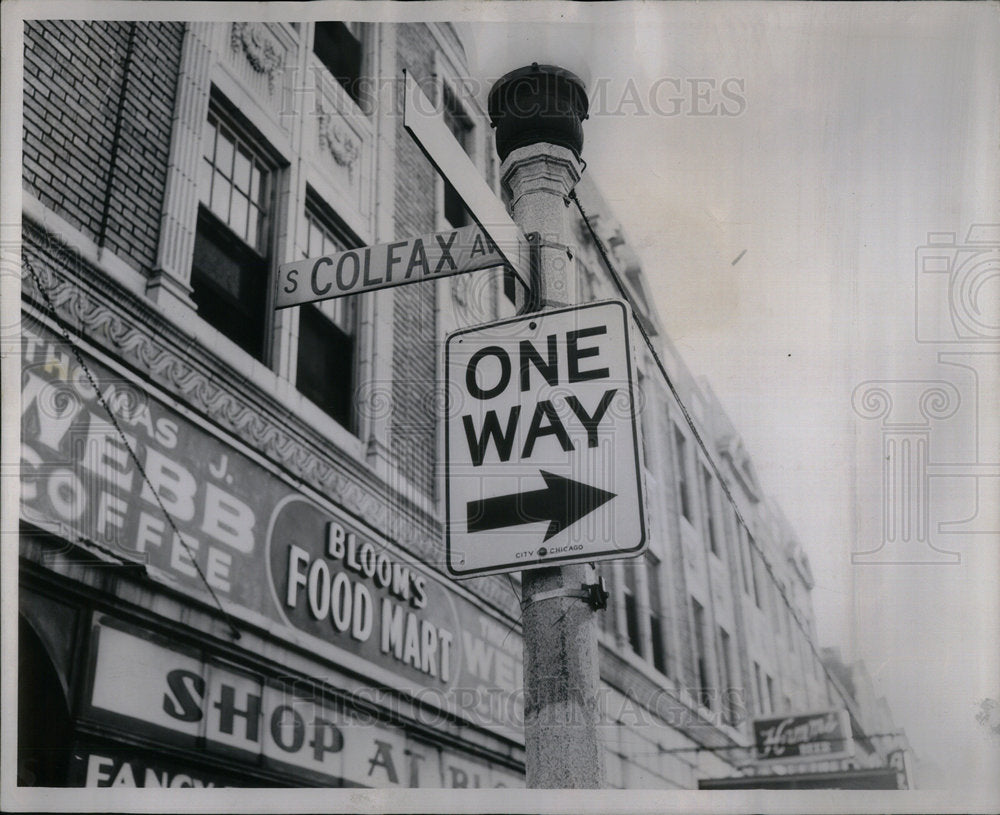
[
  {"x": 123, "y": 439},
  {"x": 626, "y": 295}
]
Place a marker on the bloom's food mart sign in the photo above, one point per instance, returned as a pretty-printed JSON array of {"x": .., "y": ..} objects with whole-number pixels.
[{"x": 275, "y": 556}]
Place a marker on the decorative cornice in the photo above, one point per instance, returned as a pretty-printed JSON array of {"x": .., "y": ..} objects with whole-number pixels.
[{"x": 261, "y": 49}]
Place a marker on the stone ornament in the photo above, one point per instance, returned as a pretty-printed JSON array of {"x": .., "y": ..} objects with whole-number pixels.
[
  {"x": 337, "y": 139},
  {"x": 261, "y": 49}
]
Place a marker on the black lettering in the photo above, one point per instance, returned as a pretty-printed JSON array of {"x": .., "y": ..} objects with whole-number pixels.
[
  {"x": 383, "y": 758},
  {"x": 554, "y": 428},
  {"x": 341, "y": 283},
  {"x": 446, "y": 253},
  {"x": 504, "y": 440},
  {"x": 590, "y": 423},
  {"x": 279, "y": 727},
  {"x": 315, "y": 273},
  {"x": 291, "y": 285},
  {"x": 478, "y": 247},
  {"x": 548, "y": 369},
  {"x": 228, "y": 712},
  {"x": 367, "y": 268},
  {"x": 418, "y": 257},
  {"x": 415, "y": 759},
  {"x": 470, "y": 372},
  {"x": 368, "y": 258},
  {"x": 320, "y": 744},
  {"x": 575, "y": 354},
  {"x": 190, "y": 708},
  {"x": 390, "y": 257}
]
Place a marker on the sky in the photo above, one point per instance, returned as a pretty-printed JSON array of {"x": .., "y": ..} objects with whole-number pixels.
[{"x": 778, "y": 166}]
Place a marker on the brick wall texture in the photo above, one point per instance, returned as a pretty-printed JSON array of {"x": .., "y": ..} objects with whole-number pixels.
[
  {"x": 415, "y": 353},
  {"x": 111, "y": 189}
]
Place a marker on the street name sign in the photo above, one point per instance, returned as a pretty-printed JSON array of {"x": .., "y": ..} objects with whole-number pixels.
[
  {"x": 542, "y": 462},
  {"x": 427, "y": 127},
  {"x": 441, "y": 254}
]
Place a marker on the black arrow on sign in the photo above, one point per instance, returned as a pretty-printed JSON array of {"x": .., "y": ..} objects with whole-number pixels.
[{"x": 562, "y": 503}]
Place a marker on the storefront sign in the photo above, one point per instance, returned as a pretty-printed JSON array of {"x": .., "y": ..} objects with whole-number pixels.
[
  {"x": 336, "y": 583},
  {"x": 273, "y": 555},
  {"x": 125, "y": 768},
  {"x": 808, "y": 737},
  {"x": 243, "y": 716}
]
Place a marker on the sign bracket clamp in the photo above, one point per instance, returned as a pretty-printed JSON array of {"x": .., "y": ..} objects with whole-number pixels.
[{"x": 595, "y": 594}]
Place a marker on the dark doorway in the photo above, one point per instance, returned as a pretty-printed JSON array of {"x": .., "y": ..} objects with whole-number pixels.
[{"x": 43, "y": 720}]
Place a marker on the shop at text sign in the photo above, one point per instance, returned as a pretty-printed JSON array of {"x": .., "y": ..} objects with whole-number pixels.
[
  {"x": 542, "y": 442},
  {"x": 440, "y": 254}
]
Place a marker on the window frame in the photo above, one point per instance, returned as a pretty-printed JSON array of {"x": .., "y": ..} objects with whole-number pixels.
[
  {"x": 357, "y": 31},
  {"x": 316, "y": 212},
  {"x": 632, "y": 603},
  {"x": 682, "y": 475},
  {"x": 711, "y": 526},
  {"x": 221, "y": 234},
  {"x": 701, "y": 645},
  {"x": 728, "y": 683},
  {"x": 659, "y": 655}
]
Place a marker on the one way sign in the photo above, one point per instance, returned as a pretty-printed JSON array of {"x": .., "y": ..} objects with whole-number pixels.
[{"x": 542, "y": 442}]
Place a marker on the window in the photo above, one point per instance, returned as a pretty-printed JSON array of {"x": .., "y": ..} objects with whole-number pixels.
[
  {"x": 729, "y": 688},
  {"x": 704, "y": 694},
  {"x": 744, "y": 547},
  {"x": 682, "y": 481},
  {"x": 710, "y": 529},
  {"x": 632, "y": 609},
  {"x": 761, "y": 700},
  {"x": 607, "y": 615},
  {"x": 325, "y": 369},
  {"x": 656, "y": 614},
  {"x": 229, "y": 274},
  {"x": 778, "y": 612},
  {"x": 339, "y": 49},
  {"x": 461, "y": 128},
  {"x": 756, "y": 571}
]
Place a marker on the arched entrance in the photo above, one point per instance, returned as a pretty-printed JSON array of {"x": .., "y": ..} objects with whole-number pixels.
[{"x": 44, "y": 729}]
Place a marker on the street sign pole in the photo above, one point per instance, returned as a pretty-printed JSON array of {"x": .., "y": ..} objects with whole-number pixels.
[{"x": 538, "y": 113}]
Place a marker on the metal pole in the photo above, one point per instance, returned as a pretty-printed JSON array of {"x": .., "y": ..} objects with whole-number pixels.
[{"x": 537, "y": 112}]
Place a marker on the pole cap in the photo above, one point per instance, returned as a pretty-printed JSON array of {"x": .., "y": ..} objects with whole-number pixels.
[{"x": 538, "y": 103}]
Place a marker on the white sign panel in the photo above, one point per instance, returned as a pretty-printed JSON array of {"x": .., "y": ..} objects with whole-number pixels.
[
  {"x": 426, "y": 125},
  {"x": 137, "y": 682},
  {"x": 441, "y": 254},
  {"x": 542, "y": 442}
]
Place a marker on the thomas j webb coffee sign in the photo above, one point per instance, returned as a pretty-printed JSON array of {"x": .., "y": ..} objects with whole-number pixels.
[{"x": 271, "y": 553}]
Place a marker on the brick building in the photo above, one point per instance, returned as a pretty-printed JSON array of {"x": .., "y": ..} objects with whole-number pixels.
[{"x": 257, "y": 598}]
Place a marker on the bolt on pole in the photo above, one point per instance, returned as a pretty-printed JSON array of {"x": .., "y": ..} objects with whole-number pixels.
[{"x": 538, "y": 113}]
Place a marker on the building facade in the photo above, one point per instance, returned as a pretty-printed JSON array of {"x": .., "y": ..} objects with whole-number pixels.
[{"x": 231, "y": 553}]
